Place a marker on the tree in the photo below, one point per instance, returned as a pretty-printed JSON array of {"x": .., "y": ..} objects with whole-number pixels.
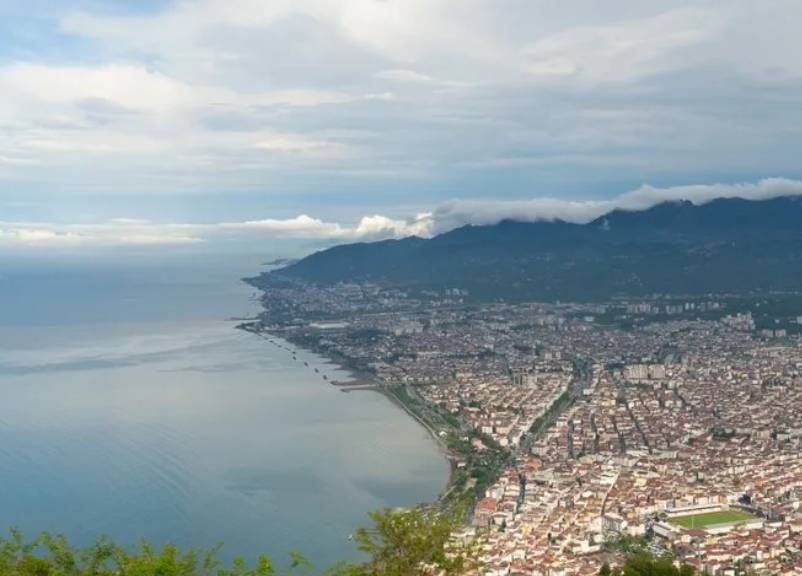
[
  {"x": 48, "y": 555},
  {"x": 413, "y": 542},
  {"x": 645, "y": 564}
]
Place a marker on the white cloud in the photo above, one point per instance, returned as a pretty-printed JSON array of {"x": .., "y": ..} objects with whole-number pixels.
[
  {"x": 301, "y": 97},
  {"x": 381, "y": 96},
  {"x": 302, "y": 226},
  {"x": 444, "y": 217},
  {"x": 411, "y": 77},
  {"x": 622, "y": 51},
  {"x": 295, "y": 143},
  {"x": 135, "y": 87},
  {"x": 291, "y": 96},
  {"x": 118, "y": 232},
  {"x": 647, "y": 196},
  {"x": 137, "y": 232},
  {"x": 479, "y": 212},
  {"x": 399, "y": 75},
  {"x": 378, "y": 226},
  {"x": 37, "y": 236},
  {"x": 16, "y": 161},
  {"x": 127, "y": 86},
  {"x": 455, "y": 213}
]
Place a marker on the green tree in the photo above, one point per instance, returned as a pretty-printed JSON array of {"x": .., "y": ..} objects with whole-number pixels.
[
  {"x": 645, "y": 564},
  {"x": 413, "y": 542},
  {"x": 629, "y": 545},
  {"x": 48, "y": 555}
]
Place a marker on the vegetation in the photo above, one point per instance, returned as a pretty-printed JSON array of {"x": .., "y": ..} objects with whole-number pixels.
[
  {"x": 408, "y": 542},
  {"x": 416, "y": 542},
  {"x": 645, "y": 564},
  {"x": 629, "y": 545},
  {"x": 481, "y": 467},
  {"x": 48, "y": 555},
  {"x": 544, "y": 421}
]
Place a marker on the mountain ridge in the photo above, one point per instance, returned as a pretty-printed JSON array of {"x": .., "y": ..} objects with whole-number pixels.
[{"x": 727, "y": 245}]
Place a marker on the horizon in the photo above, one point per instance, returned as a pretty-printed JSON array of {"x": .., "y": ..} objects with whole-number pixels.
[{"x": 161, "y": 124}]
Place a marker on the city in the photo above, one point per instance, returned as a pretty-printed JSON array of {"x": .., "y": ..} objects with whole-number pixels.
[{"x": 673, "y": 422}]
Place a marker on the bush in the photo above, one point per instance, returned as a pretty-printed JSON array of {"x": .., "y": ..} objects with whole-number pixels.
[
  {"x": 403, "y": 542},
  {"x": 48, "y": 555},
  {"x": 413, "y": 542},
  {"x": 644, "y": 564}
]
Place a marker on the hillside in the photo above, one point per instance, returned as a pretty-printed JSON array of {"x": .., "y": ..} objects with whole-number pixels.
[{"x": 724, "y": 246}]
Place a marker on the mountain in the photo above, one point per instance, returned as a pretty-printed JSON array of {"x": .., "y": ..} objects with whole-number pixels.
[{"x": 724, "y": 246}]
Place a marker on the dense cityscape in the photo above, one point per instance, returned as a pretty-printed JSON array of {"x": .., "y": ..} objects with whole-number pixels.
[{"x": 575, "y": 428}]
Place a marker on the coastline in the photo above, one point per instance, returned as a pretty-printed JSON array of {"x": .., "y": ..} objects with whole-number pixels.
[
  {"x": 444, "y": 449},
  {"x": 361, "y": 380}
]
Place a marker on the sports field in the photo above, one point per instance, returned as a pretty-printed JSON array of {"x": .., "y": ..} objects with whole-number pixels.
[{"x": 711, "y": 518}]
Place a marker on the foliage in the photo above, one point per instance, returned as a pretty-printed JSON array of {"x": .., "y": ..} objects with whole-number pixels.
[
  {"x": 629, "y": 545},
  {"x": 401, "y": 542},
  {"x": 542, "y": 422},
  {"x": 645, "y": 564},
  {"x": 482, "y": 467},
  {"x": 48, "y": 555},
  {"x": 413, "y": 542}
]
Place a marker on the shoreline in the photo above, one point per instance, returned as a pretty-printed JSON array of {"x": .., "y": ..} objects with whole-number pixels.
[
  {"x": 444, "y": 449},
  {"x": 361, "y": 380}
]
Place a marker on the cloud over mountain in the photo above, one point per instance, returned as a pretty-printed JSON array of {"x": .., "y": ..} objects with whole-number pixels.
[
  {"x": 443, "y": 217},
  {"x": 460, "y": 212}
]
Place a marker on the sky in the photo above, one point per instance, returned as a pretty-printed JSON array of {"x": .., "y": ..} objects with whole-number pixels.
[{"x": 157, "y": 123}]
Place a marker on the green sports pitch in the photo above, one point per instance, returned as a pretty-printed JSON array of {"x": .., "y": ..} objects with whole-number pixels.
[{"x": 711, "y": 518}]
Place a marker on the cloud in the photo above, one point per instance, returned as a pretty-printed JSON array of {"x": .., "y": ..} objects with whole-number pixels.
[
  {"x": 623, "y": 51},
  {"x": 302, "y": 226},
  {"x": 381, "y": 96},
  {"x": 127, "y": 86},
  {"x": 403, "y": 76},
  {"x": 278, "y": 102},
  {"x": 36, "y": 236},
  {"x": 138, "y": 232},
  {"x": 372, "y": 227},
  {"x": 647, "y": 196},
  {"x": 444, "y": 217},
  {"x": 295, "y": 143},
  {"x": 481, "y": 212},
  {"x": 378, "y": 226},
  {"x": 135, "y": 87},
  {"x": 117, "y": 232}
]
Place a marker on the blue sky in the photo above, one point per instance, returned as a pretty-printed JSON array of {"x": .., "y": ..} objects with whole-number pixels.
[{"x": 163, "y": 122}]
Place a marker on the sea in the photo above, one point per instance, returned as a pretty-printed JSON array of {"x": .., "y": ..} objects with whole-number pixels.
[{"x": 131, "y": 406}]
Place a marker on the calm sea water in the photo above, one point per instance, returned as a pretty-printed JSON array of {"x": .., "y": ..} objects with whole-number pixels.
[{"x": 130, "y": 406}]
